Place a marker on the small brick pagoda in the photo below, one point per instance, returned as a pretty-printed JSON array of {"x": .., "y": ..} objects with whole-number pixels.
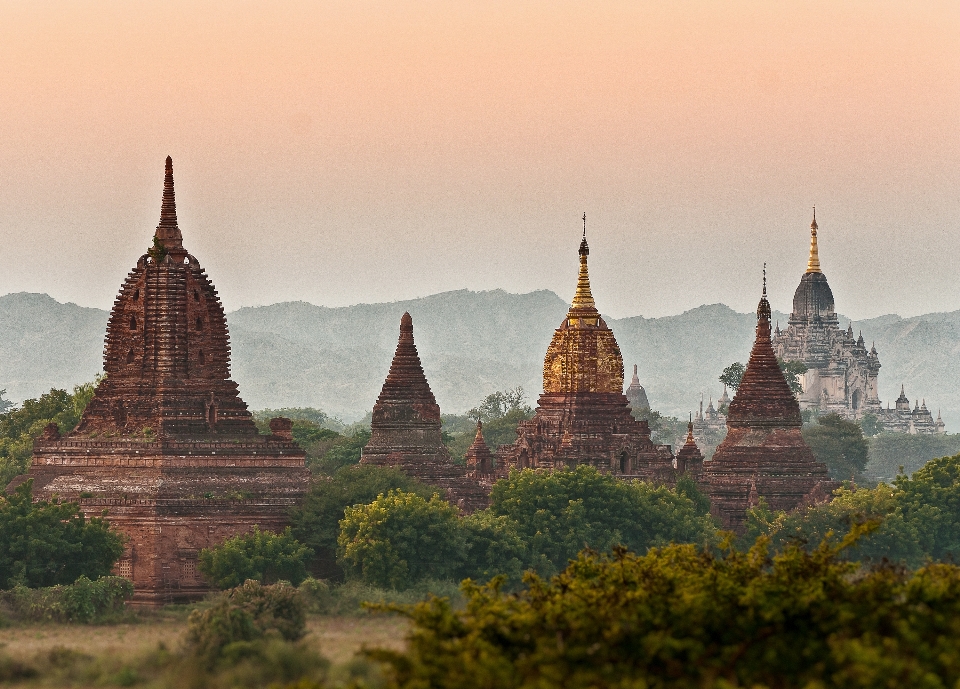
[
  {"x": 583, "y": 417},
  {"x": 689, "y": 457},
  {"x": 405, "y": 429},
  {"x": 479, "y": 459},
  {"x": 763, "y": 454},
  {"x": 166, "y": 445}
]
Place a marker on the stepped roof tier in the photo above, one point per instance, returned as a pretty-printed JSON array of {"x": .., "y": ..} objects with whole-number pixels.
[
  {"x": 764, "y": 446},
  {"x": 166, "y": 445},
  {"x": 583, "y": 416},
  {"x": 405, "y": 429}
]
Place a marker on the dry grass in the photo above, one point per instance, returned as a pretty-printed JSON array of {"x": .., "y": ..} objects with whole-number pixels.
[{"x": 113, "y": 650}]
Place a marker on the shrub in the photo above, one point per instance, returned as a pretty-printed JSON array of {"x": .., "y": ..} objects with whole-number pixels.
[
  {"x": 247, "y": 613},
  {"x": 399, "y": 539},
  {"x": 839, "y": 444},
  {"x": 83, "y": 601},
  {"x": 494, "y": 548},
  {"x": 558, "y": 513},
  {"x": 316, "y": 521},
  {"x": 49, "y": 543},
  {"x": 680, "y": 617},
  {"x": 263, "y": 556}
]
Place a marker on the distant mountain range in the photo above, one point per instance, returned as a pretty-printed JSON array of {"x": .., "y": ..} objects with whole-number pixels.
[{"x": 471, "y": 344}]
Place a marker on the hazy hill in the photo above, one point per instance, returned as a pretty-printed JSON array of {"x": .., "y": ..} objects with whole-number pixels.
[{"x": 471, "y": 343}]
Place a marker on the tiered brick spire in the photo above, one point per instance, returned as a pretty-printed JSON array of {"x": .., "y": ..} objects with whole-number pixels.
[
  {"x": 689, "y": 457},
  {"x": 166, "y": 445},
  {"x": 764, "y": 450},
  {"x": 478, "y": 456},
  {"x": 405, "y": 430}
]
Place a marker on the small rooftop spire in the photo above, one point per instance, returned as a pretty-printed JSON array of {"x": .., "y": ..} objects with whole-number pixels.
[
  {"x": 763, "y": 308},
  {"x": 583, "y": 298},
  {"x": 635, "y": 380},
  {"x": 168, "y": 232},
  {"x": 813, "y": 265}
]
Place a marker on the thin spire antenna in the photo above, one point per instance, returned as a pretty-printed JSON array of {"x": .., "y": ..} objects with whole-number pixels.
[
  {"x": 764, "y": 278},
  {"x": 584, "y": 225}
]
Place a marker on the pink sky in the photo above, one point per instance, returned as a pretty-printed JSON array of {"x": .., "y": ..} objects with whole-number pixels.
[{"x": 344, "y": 152}]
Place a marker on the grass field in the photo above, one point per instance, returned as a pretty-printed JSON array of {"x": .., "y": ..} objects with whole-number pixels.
[{"x": 141, "y": 652}]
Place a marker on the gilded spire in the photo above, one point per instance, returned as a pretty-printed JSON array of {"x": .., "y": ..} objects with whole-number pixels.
[
  {"x": 168, "y": 232},
  {"x": 813, "y": 265},
  {"x": 583, "y": 299}
]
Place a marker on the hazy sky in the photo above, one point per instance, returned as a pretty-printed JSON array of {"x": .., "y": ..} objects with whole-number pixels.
[{"x": 345, "y": 152}]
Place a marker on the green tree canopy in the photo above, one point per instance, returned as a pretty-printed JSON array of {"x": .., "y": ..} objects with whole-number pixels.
[
  {"x": 48, "y": 543},
  {"x": 559, "y": 513},
  {"x": 680, "y": 617},
  {"x": 792, "y": 370},
  {"x": 732, "y": 375},
  {"x": 316, "y": 521},
  {"x": 400, "y": 539},
  {"x": 19, "y": 427},
  {"x": 839, "y": 444},
  {"x": 262, "y": 556},
  {"x": 930, "y": 499}
]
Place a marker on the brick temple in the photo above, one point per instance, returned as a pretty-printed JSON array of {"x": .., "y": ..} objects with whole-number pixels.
[
  {"x": 405, "y": 429},
  {"x": 583, "y": 416},
  {"x": 166, "y": 445},
  {"x": 764, "y": 453}
]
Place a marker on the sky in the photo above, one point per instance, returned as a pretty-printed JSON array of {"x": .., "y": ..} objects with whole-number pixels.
[{"x": 364, "y": 151}]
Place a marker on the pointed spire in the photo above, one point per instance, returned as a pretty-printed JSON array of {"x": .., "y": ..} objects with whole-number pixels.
[
  {"x": 635, "y": 380},
  {"x": 168, "y": 232},
  {"x": 813, "y": 265},
  {"x": 583, "y": 299},
  {"x": 763, "y": 308}
]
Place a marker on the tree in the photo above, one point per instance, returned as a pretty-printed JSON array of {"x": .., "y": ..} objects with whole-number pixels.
[
  {"x": 400, "y": 539},
  {"x": 5, "y": 405},
  {"x": 20, "y": 427},
  {"x": 839, "y": 444},
  {"x": 48, "y": 543},
  {"x": 682, "y": 617},
  {"x": 262, "y": 556},
  {"x": 249, "y": 613},
  {"x": 871, "y": 425},
  {"x": 792, "y": 370},
  {"x": 558, "y": 513},
  {"x": 732, "y": 375},
  {"x": 343, "y": 452},
  {"x": 494, "y": 548},
  {"x": 895, "y": 537},
  {"x": 930, "y": 499},
  {"x": 316, "y": 521}
]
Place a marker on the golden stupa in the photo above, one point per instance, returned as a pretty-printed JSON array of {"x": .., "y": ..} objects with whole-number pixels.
[{"x": 583, "y": 355}]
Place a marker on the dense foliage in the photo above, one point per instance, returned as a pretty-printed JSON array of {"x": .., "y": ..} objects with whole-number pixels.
[
  {"x": 559, "y": 513},
  {"x": 21, "y": 426},
  {"x": 891, "y": 451},
  {"x": 401, "y": 538},
  {"x": 918, "y": 518},
  {"x": 316, "y": 521},
  {"x": 683, "y": 617},
  {"x": 262, "y": 556},
  {"x": 501, "y": 412},
  {"x": 48, "y": 543},
  {"x": 839, "y": 444},
  {"x": 537, "y": 520},
  {"x": 245, "y": 615},
  {"x": 83, "y": 601}
]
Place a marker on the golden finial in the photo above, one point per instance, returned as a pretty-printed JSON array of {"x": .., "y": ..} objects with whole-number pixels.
[
  {"x": 813, "y": 265},
  {"x": 583, "y": 299}
]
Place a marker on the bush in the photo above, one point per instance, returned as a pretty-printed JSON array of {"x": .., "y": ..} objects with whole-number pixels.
[
  {"x": 839, "y": 444},
  {"x": 399, "y": 539},
  {"x": 246, "y": 614},
  {"x": 316, "y": 521},
  {"x": 558, "y": 513},
  {"x": 49, "y": 543},
  {"x": 263, "y": 556},
  {"x": 84, "y": 601},
  {"x": 494, "y": 548},
  {"x": 680, "y": 617}
]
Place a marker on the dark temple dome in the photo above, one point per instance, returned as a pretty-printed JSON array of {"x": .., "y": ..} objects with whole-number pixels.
[{"x": 813, "y": 297}]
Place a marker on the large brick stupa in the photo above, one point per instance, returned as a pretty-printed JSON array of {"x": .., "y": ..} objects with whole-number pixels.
[
  {"x": 764, "y": 452},
  {"x": 583, "y": 417},
  {"x": 405, "y": 429},
  {"x": 166, "y": 445}
]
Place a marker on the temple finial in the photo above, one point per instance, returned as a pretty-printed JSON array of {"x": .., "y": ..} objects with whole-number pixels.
[
  {"x": 583, "y": 298},
  {"x": 168, "y": 232},
  {"x": 813, "y": 264},
  {"x": 763, "y": 308},
  {"x": 764, "y": 278}
]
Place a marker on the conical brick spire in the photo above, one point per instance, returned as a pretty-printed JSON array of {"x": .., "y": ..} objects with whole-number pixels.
[
  {"x": 168, "y": 232},
  {"x": 764, "y": 397},
  {"x": 583, "y": 298},
  {"x": 478, "y": 456},
  {"x": 406, "y": 381}
]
